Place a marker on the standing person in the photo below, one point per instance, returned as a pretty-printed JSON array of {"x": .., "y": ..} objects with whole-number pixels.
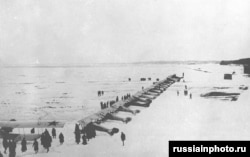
[
  {"x": 12, "y": 148},
  {"x": 42, "y": 139},
  {"x": 123, "y": 138},
  {"x": 190, "y": 95},
  {"x": 77, "y": 129},
  {"x": 61, "y": 138},
  {"x": 77, "y": 134},
  {"x": 47, "y": 140},
  {"x": 185, "y": 92},
  {"x": 101, "y": 105},
  {"x": 53, "y": 132},
  {"x": 24, "y": 145},
  {"x": 5, "y": 144},
  {"x": 77, "y": 137},
  {"x": 177, "y": 93},
  {"x": 35, "y": 145}
]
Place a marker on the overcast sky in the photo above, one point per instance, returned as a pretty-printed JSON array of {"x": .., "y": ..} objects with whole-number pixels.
[{"x": 94, "y": 31}]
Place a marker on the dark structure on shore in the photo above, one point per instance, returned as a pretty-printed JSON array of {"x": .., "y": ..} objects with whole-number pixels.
[
  {"x": 245, "y": 62},
  {"x": 227, "y": 76},
  {"x": 246, "y": 69}
]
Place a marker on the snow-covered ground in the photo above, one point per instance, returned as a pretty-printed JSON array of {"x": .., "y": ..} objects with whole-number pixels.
[{"x": 169, "y": 117}]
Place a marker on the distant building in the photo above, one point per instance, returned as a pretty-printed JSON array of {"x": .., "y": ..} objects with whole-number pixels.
[
  {"x": 227, "y": 76},
  {"x": 246, "y": 69}
]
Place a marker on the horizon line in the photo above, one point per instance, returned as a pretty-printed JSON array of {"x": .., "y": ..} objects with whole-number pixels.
[{"x": 109, "y": 63}]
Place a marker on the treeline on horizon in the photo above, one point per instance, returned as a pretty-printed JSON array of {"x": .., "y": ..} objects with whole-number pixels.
[{"x": 244, "y": 61}]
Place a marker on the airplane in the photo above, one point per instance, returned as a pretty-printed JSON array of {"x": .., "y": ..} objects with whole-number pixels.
[
  {"x": 6, "y": 128},
  {"x": 142, "y": 98}
]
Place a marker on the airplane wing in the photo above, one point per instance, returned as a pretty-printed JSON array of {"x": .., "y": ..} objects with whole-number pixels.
[
  {"x": 97, "y": 116},
  {"x": 32, "y": 124}
]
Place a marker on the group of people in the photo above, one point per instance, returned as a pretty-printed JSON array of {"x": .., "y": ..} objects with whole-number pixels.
[
  {"x": 100, "y": 93},
  {"x": 89, "y": 132},
  {"x": 125, "y": 97},
  {"x": 107, "y": 104},
  {"x": 86, "y": 135},
  {"x": 46, "y": 141},
  {"x": 11, "y": 144},
  {"x": 185, "y": 92}
]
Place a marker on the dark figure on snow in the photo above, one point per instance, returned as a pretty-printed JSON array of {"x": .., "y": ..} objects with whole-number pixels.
[
  {"x": 61, "y": 138},
  {"x": 47, "y": 140},
  {"x": 42, "y": 139},
  {"x": 24, "y": 145},
  {"x": 190, "y": 96},
  {"x": 84, "y": 139},
  {"x": 77, "y": 137},
  {"x": 5, "y": 145},
  {"x": 32, "y": 130},
  {"x": 90, "y": 131},
  {"x": 35, "y": 145},
  {"x": 117, "y": 98},
  {"x": 177, "y": 93},
  {"x": 54, "y": 133},
  {"x": 77, "y": 129},
  {"x": 77, "y": 134},
  {"x": 101, "y": 105},
  {"x": 12, "y": 148},
  {"x": 123, "y": 138},
  {"x": 185, "y": 92}
]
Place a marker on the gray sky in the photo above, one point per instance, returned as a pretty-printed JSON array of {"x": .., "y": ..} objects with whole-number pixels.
[{"x": 93, "y": 31}]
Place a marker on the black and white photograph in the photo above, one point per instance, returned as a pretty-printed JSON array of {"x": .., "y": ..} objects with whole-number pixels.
[{"x": 123, "y": 78}]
